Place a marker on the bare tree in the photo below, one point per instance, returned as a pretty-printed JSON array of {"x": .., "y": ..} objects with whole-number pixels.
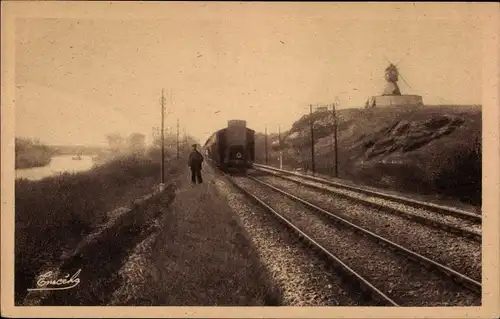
[
  {"x": 116, "y": 142},
  {"x": 137, "y": 143}
]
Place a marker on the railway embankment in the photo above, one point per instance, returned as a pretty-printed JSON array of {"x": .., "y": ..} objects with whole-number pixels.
[
  {"x": 98, "y": 257},
  {"x": 72, "y": 220},
  {"x": 431, "y": 152}
]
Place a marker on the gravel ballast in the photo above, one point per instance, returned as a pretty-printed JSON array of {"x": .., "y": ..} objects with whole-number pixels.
[
  {"x": 459, "y": 253},
  {"x": 450, "y": 220},
  {"x": 407, "y": 283},
  {"x": 305, "y": 279}
]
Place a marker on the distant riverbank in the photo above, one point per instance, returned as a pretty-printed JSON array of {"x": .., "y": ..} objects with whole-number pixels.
[
  {"x": 30, "y": 153},
  {"x": 35, "y": 159}
]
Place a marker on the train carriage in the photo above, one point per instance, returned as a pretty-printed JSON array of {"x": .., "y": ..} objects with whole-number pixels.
[{"x": 232, "y": 147}]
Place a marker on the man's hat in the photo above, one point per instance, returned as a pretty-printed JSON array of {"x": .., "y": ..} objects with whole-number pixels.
[{"x": 194, "y": 145}]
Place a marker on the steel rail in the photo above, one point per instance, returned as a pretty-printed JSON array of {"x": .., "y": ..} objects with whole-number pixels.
[
  {"x": 423, "y": 220},
  {"x": 455, "y": 275},
  {"x": 365, "y": 285},
  {"x": 447, "y": 210}
]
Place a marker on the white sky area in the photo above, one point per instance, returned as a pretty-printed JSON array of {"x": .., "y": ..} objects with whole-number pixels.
[{"x": 78, "y": 80}]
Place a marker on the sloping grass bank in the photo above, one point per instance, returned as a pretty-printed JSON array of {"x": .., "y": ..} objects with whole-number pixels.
[
  {"x": 54, "y": 214},
  {"x": 101, "y": 255},
  {"x": 433, "y": 150}
]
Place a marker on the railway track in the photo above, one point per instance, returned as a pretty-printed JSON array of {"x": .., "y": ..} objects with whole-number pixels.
[
  {"x": 456, "y": 252},
  {"x": 405, "y": 289},
  {"x": 450, "y": 219}
]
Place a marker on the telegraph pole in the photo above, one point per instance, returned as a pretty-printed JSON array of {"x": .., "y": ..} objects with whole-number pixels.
[
  {"x": 185, "y": 139},
  {"x": 336, "y": 161},
  {"x": 312, "y": 138},
  {"x": 162, "y": 138},
  {"x": 177, "y": 138},
  {"x": 155, "y": 132},
  {"x": 265, "y": 142},
  {"x": 279, "y": 141}
]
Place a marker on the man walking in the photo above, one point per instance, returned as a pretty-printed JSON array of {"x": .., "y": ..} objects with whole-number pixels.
[{"x": 195, "y": 160}]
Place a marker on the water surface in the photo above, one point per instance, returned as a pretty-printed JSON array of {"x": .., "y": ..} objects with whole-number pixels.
[{"x": 58, "y": 165}]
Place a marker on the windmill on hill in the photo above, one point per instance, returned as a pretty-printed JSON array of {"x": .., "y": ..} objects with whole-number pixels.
[
  {"x": 392, "y": 76},
  {"x": 391, "y": 95}
]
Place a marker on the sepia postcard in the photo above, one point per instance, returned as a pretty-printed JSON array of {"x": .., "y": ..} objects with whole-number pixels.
[{"x": 250, "y": 159}]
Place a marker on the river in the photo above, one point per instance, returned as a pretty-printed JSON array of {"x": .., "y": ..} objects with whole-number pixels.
[{"x": 58, "y": 164}]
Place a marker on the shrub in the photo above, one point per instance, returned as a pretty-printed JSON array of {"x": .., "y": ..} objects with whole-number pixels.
[{"x": 462, "y": 176}]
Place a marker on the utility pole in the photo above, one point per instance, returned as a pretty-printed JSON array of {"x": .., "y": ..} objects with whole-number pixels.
[
  {"x": 336, "y": 160},
  {"x": 155, "y": 132},
  {"x": 332, "y": 144},
  {"x": 265, "y": 143},
  {"x": 279, "y": 144},
  {"x": 162, "y": 138},
  {"x": 177, "y": 138},
  {"x": 312, "y": 138}
]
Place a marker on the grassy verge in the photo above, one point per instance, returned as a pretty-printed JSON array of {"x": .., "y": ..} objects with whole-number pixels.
[
  {"x": 54, "y": 214},
  {"x": 201, "y": 256}
]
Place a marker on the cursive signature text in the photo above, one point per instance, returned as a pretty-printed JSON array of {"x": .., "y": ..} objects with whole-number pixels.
[{"x": 45, "y": 282}]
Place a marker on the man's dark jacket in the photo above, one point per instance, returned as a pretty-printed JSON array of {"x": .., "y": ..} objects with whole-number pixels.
[{"x": 195, "y": 160}]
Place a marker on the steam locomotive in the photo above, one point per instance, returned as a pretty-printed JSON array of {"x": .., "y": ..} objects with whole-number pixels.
[{"x": 232, "y": 147}]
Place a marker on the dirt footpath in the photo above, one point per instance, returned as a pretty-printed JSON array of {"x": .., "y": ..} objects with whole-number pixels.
[{"x": 199, "y": 257}]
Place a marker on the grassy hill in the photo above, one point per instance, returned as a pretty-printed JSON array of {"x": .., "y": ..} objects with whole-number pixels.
[{"x": 433, "y": 150}]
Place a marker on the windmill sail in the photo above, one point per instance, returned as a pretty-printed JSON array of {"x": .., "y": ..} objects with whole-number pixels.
[
  {"x": 402, "y": 78},
  {"x": 391, "y": 95}
]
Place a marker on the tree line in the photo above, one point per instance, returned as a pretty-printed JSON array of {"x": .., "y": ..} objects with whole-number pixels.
[
  {"x": 30, "y": 152},
  {"x": 135, "y": 143}
]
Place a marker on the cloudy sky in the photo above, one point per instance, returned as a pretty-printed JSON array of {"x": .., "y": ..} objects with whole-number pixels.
[{"x": 80, "y": 78}]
